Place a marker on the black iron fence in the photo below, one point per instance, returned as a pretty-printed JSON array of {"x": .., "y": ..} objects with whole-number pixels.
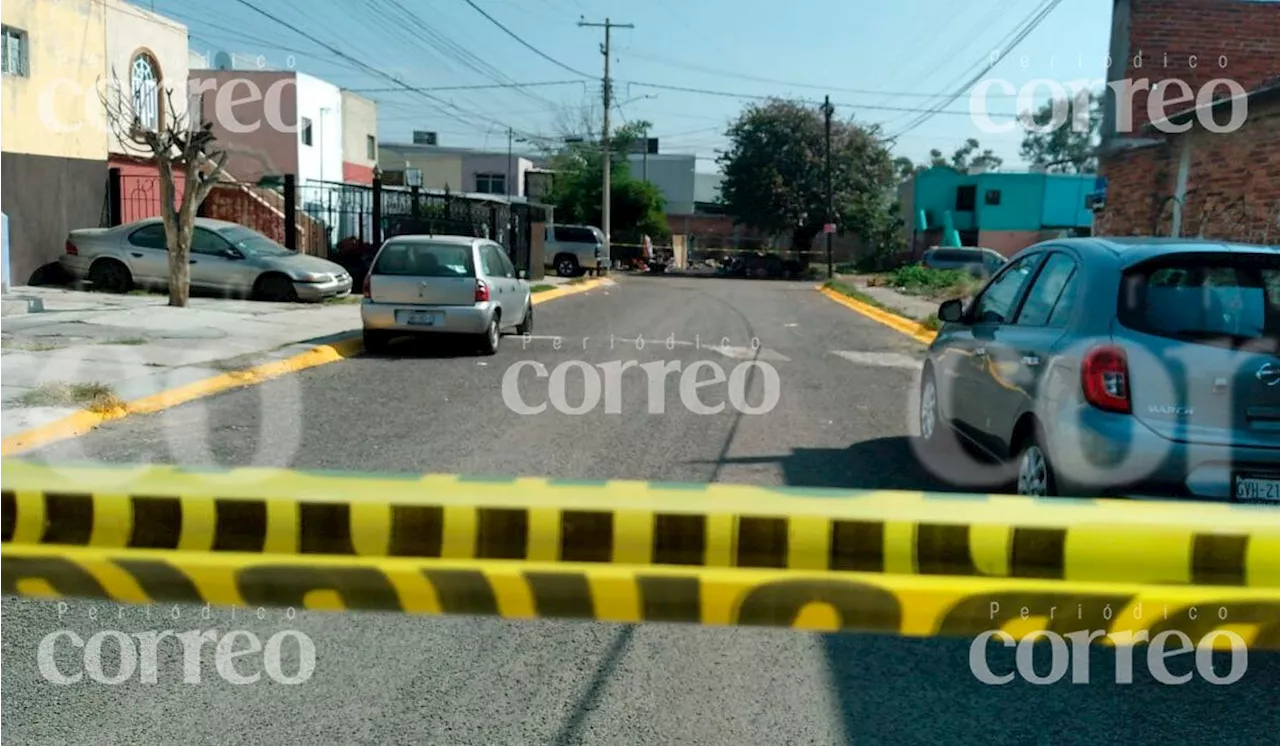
[{"x": 342, "y": 221}]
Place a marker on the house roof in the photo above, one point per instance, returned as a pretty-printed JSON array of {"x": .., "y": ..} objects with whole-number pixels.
[{"x": 1267, "y": 92}]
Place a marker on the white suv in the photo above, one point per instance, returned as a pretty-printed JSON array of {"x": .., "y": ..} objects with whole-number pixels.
[{"x": 572, "y": 249}]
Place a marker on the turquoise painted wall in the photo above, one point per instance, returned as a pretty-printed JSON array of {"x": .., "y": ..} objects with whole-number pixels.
[
  {"x": 1064, "y": 201},
  {"x": 1028, "y": 201}
]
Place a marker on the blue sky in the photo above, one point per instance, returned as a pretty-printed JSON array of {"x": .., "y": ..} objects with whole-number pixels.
[{"x": 871, "y": 57}]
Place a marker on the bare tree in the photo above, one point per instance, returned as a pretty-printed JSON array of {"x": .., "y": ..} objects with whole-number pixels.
[{"x": 180, "y": 142}]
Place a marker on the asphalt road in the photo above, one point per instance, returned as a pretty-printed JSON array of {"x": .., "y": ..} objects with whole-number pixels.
[{"x": 842, "y": 418}]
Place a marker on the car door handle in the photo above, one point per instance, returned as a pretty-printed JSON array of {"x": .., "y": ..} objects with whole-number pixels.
[
  {"x": 193, "y": 261},
  {"x": 980, "y": 351},
  {"x": 1030, "y": 360},
  {"x": 136, "y": 254}
]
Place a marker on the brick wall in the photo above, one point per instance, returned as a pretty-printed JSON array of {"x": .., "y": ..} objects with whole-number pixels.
[
  {"x": 1233, "y": 184},
  {"x": 1243, "y": 34}
]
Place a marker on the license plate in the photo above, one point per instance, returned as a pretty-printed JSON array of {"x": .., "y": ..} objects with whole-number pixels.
[
  {"x": 422, "y": 318},
  {"x": 1257, "y": 489}
]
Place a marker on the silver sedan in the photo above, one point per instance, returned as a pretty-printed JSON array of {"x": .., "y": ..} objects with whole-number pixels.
[{"x": 226, "y": 258}]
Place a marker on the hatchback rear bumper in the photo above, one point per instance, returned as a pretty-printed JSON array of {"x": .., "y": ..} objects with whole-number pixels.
[
  {"x": 448, "y": 319},
  {"x": 1102, "y": 453}
]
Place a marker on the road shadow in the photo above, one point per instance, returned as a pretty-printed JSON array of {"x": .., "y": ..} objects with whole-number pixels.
[
  {"x": 890, "y": 463},
  {"x": 714, "y": 276},
  {"x": 432, "y": 347}
]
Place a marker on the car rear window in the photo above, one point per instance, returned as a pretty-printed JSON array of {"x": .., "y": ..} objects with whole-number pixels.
[
  {"x": 1214, "y": 298},
  {"x": 568, "y": 234},
  {"x": 424, "y": 259},
  {"x": 961, "y": 257}
]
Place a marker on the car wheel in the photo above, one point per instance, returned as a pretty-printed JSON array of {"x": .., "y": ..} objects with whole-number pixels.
[
  {"x": 376, "y": 341},
  {"x": 490, "y": 338},
  {"x": 1035, "y": 472},
  {"x": 110, "y": 276},
  {"x": 526, "y": 326},
  {"x": 276, "y": 289},
  {"x": 930, "y": 419},
  {"x": 567, "y": 266}
]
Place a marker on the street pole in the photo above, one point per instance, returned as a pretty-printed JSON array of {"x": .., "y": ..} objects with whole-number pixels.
[
  {"x": 826, "y": 112},
  {"x": 606, "y": 164},
  {"x": 509, "y": 176}
]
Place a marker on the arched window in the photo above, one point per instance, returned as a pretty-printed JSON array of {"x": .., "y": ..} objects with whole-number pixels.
[{"x": 144, "y": 85}]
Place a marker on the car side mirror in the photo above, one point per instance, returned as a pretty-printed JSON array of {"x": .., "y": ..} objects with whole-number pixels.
[
  {"x": 522, "y": 274},
  {"x": 951, "y": 311}
]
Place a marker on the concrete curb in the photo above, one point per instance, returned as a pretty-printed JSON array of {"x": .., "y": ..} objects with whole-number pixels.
[
  {"x": 84, "y": 421},
  {"x": 339, "y": 348},
  {"x": 913, "y": 329},
  {"x": 565, "y": 290}
]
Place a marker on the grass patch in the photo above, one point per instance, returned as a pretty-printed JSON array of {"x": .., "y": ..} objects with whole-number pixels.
[
  {"x": 26, "y": 345},
  {"x": 127, "y": 341},
  {"x": 95, "y": 397},
  {"x": 915, "y": 279},
  {"x": 931, "y": 322},
  {"x": 542, "y": 288},
  {"x": 850, "y": 291},
  {"x": 578, "y": 280}
]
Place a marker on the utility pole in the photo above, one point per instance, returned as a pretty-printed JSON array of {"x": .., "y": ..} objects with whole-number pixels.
[
  {"x": 606, "y": 160},
  {"x": 510, "y": 178},
  {"x": 827, "y": 110}
]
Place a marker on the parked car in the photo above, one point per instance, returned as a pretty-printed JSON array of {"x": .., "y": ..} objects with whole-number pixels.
[
  {"x": 444, "y": 284},
  {"x": 572, "y": 249},
  {"x": 1119, "y": 367},
  {"x": 225, "y": 258},
  {"x": 977, "y": 261}
]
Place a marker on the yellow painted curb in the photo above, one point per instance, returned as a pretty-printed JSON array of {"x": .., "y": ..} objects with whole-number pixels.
[
  {"x": 913, "y": 329},
  {"x": 564, "y": 290},
  {"x": 83, "y": 421}
]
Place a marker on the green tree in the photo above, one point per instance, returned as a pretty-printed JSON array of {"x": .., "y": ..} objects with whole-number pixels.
[
  {"x": 1069, "y": 148},
  {"x": 774, "y": 171},
  {"x": 638, "y": 208},
  {"x": 964, "y": 158}
]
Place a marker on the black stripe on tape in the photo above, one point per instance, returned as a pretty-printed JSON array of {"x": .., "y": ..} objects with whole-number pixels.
[
  {"x": 561, "y": 595},
  {"x": 502, "y": 533},
  {"x": 157, "y": 522},
  {"x": 762, "y": 542},
  {"x": 8, "y": 514},
  {"x": 665, "y": 599},
  {"x": 240, "y": 525},
  {"x": 679, "y": 539},
  {"x": 586, "y": 536},
  {"x": 857, "y": 546},
  {"x": 1219, "y": 559},
  {"x": 68, "y": 518},
  {"x": 1038, "y": 553},
  {"x": 416, "y": 531},
  {"x": 943, "y": 549},
  {"x": 325, "y": 528}
]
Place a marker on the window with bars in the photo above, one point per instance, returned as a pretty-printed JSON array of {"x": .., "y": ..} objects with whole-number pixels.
[
  {"x": 144, "y": 85},
  {"x": 15, "y": 53}
]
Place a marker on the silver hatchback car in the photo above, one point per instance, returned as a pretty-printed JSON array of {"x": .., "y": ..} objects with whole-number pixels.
[
  {"x": 444, "y": 285},
  {"x": 1126, "y": 367}
]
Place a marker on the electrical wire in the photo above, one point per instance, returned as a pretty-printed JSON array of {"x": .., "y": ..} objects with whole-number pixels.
[
  {"x": 728, "y": 94},
  {"x": 524, "y": 43}
]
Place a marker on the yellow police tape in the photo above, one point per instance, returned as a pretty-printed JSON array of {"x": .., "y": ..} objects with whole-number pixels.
[
  {"x": 282, "y": 512},
  {"x": 913, "y": 606}
]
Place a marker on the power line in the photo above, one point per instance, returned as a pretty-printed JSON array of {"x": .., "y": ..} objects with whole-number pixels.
[
  {"x": 369, "y": 68},
  {"x": 469, "y": 87},
  {"x": 728, "y": 94},
  {"x": 774, "y": 81},
  {"x": 1021, "y": 32},
  {"x": 524, "y": 43}
]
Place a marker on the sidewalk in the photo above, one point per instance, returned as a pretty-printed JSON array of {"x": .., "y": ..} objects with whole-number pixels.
[
  {"x": 913, "y": 307},
  {"x": 96, "y": 351}
]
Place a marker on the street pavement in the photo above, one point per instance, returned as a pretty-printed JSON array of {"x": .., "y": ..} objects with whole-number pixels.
[{"x": 843, "y": 419}]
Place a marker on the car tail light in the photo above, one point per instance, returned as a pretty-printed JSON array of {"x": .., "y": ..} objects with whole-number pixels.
[
  {"x": 1104, "y": 375},
  {"x": 368, "y": 290},
  {"x": 482, "y": 291},
  {"x": 72, "y": 249}
]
